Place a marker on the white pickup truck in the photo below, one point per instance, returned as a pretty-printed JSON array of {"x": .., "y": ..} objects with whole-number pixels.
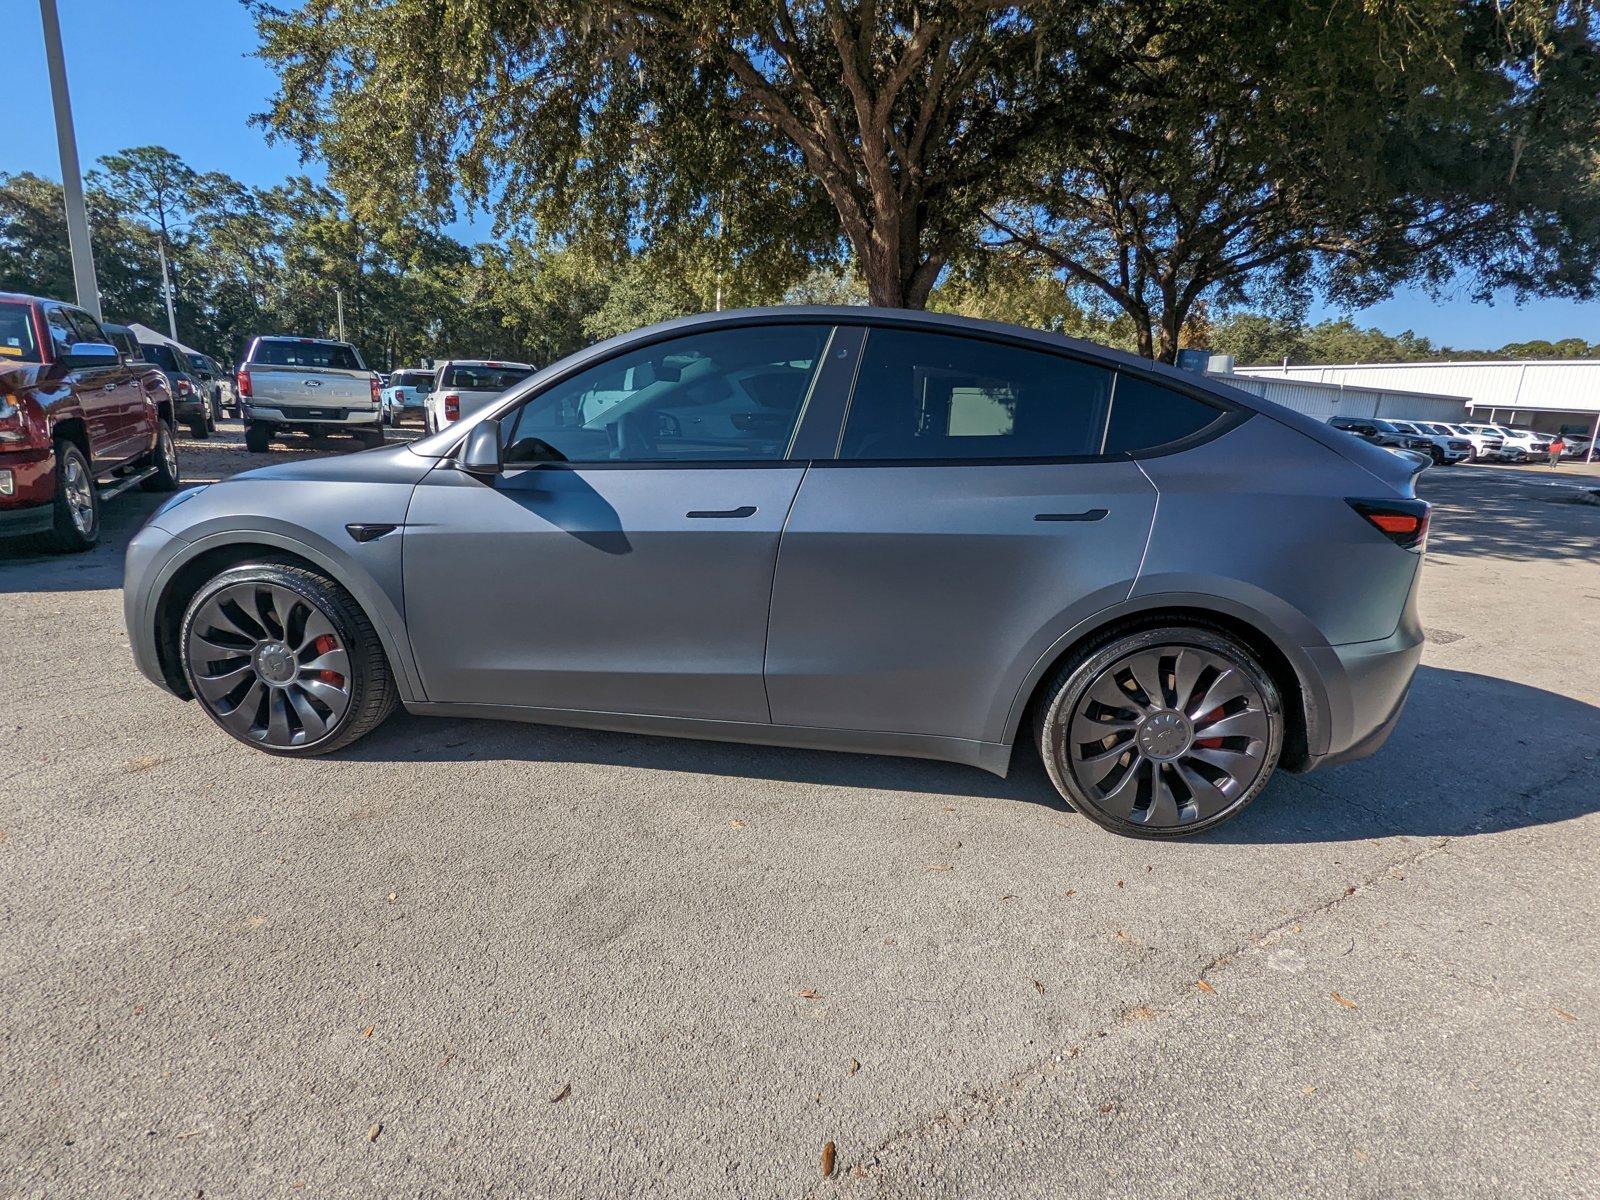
[
  {"x": 307, "y": 385},
  {"x": 462, "y": 386}
]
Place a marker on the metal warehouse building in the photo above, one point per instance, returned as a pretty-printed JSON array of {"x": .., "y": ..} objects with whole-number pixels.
[
  {"x": 1545, "y": 394},
  {"x": 1324, "y": 400}
]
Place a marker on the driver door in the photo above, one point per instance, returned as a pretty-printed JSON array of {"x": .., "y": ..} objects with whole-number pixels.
[{"x": 623, "y": 560}]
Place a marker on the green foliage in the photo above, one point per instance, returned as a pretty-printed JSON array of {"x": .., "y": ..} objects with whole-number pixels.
[{"x": 1257, "y": 339}]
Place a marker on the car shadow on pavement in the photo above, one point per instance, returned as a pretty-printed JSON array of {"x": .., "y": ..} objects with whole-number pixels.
[
  {"x": 1523, "y": 757},
  {"x": 1518, "y": 514}
]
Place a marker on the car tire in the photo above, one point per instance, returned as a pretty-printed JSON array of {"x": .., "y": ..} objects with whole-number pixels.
[
  {"x": 250, "y": 639},
  {"x": 164, "y": 458},
  {"x": 257, "y": 437},
  {"x": 1171, "y": 778},
  {"x": 199, "y": 427},
  {"x": 75, "y": 507}
]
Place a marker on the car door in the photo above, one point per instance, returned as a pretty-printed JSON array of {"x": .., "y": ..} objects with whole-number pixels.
[
  {"x": 969, "y": 514},
  {"x": 95, "y": 389},
  {"x": 617, "y": 565},
  {"x": 121, "y": 383}
]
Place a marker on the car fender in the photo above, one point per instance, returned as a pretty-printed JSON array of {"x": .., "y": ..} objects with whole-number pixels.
[
  {"x": 359, "y": 578},
  {"x": 1290, "y": 632}
]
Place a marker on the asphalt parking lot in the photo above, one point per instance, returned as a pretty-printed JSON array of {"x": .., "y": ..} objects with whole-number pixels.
[{"x": 464, "y": 958}]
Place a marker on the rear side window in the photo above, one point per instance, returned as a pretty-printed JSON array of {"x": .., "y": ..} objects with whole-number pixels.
[
  {"x": 470, "y": 378},
  {"x": 17, "y": 343},
  {"x": 930, "y": 396},
  {"x": 307, "y": 354},
  {"x": 411, "y": 379},
  {"x": 1145, "y": 415}
]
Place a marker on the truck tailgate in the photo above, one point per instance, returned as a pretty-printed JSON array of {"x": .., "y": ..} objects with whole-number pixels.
[{"x": 309, "y": 387}]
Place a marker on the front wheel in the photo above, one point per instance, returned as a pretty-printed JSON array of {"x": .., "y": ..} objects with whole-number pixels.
[
  {"x": 1161, "y": 732},
  {"x": 75, "y": 518},
  {"x": 283, "y": 659}
]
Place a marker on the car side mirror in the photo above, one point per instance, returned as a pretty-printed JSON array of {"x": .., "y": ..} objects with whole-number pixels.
[
  {"x": 91, "y": 354},
  {"x": 480, "y": 455}
]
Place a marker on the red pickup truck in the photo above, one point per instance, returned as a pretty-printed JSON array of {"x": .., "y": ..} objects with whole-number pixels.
[{"x": 78, "y": 423}]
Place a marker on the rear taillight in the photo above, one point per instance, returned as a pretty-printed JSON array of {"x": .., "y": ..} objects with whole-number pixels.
[
  {"x": 185, "y": 387},
  {"x": 1403, "y": 522},
  {"x": 374, "y": 382},
  {"x": 243, "y": 380},
  {"x": 452, "y": 407}
]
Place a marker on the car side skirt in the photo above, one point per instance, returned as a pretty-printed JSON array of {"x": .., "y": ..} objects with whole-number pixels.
[{"x": 993, "y": 757}]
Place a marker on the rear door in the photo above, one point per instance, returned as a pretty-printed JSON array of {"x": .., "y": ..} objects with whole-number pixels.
[
  {"x": 931, "y": 560},
  {"x": 618, "y": 565}
]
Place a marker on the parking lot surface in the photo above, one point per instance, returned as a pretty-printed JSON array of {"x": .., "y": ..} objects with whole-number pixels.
[{"x": 464, "y": 958}]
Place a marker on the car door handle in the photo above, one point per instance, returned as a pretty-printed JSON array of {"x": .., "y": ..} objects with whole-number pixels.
[
  {"x": 749, "y": 510},
  {"x": 1088, "y": 514}
]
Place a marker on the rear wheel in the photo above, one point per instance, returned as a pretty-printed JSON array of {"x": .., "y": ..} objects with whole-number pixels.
[
  {"x": 164, "y": 458},
  {"x": 1161, "y": 732},
  {"x": 283, "y": 659},
  {"x": 257, "y": 437}
]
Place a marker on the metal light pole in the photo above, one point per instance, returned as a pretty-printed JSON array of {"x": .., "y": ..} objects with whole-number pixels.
[
  {"x": 71, "y": 177},
  {"x": 166, "y": 287},
  {"x": 338, "y": 299}
]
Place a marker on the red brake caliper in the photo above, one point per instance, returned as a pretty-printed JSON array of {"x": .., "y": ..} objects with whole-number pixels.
[
  {"x": 1210, "y": 743},
  {"x": 322, "y": 646}
]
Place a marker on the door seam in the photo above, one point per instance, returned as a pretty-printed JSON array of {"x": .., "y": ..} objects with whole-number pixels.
[
  {"x": 1150, "y": 533},
  {"x": 772, "y": 589}
]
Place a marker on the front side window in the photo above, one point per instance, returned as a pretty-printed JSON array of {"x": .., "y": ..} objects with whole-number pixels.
[
  {"x": 1145, "y": 415},
  {"x": 17, "y": 342},
  {"x": 732, "y": 395},
  {"x": 930, "y": 396},
  {"x": 62, "y": 334}
]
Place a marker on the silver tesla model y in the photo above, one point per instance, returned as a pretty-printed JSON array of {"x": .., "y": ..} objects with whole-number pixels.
[{"x": 853, "y": 529}]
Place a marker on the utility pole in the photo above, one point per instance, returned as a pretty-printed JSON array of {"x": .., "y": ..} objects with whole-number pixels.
[
  {"x": 71, "y": 176},
  {"x": 166, "y": 286}
]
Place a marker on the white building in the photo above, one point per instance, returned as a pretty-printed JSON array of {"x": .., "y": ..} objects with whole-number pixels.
[
  {"x": 1546, "y": 394},
  {"x": 1324, "y": 400}
]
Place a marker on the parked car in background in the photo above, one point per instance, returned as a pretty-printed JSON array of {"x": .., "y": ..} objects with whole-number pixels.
[
  {"x": 213, "y": 381},
  {"x": 79, "y": 423},
  {"x": 189, "y": 394},
  {"x": 405, "y": 396},
  {"x": 1484, "y": 446},
  {"x": 1447, "y": 448},
  {"x": 463, "y": 386},
  {"x": 312, "y": 386},
  {"x": 1577, "y": 438},
  {"x": 984, "y": 559},
  {"x": 1381, "y": 433},
  {"x": 1523, "y": 445}
]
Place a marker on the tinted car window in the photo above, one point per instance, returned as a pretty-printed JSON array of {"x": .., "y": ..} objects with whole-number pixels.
[
  {"x": 732, "y": 395},
  {"x": 468, "y": 378},
  {"x": 165, "y": 357},
  {"x": 62, "y": 334},
  {"x": 88, "y": 328},
  {"x": 411, "y": 379},
  {"x": 16, "y": 334},
  {"x": 306, "y": 354},
  {"x": 1145, "y": 415},
  {"x": 925, "y": 396}
]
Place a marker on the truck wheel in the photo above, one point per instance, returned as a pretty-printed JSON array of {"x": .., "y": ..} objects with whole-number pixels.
[
  {"x": 199, "y": 427},
  {"x": 76, "y": 524},
  {"x": 284, "y": 659},
  {"x": 213, "y": 415},
  {"x": 165, "y": 460},
  {"x": 257, "y": 437}
]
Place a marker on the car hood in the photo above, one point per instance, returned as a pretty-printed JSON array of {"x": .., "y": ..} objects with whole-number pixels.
[{"x": 389, "y": 464}]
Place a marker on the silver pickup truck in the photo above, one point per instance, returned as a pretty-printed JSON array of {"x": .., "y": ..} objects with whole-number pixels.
[{"x": 307, "y": 385}]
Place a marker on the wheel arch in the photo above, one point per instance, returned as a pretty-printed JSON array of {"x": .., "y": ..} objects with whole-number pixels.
[
  {"x": 73, "y": 429},
  {"x": 188, "y": 572},
  {"x": 1306, "y": 714}
]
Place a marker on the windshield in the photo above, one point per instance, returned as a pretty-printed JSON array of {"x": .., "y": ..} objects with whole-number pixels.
[
  {"x": 17, "y": 343},
  {"x": 479, "y": 377},
  {"x": 294, "y": 353}
]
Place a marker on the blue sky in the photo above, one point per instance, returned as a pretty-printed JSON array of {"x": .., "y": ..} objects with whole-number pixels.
[{"x": 111, "y": 44}]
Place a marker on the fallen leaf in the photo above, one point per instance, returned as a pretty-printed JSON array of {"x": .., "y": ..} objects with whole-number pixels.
[
  {"x": 1143, "y": 1013},
  {"x": 828, "y": 1154},
  {"x": 1071, "y": 892},
  {"x": 393, "y": 896},
  {"x": 1310, "y": 1087},
  {"x": 855, "y": 1065},
  {"x": 367, "y": 1032},
  {"x": 736, "y": 823},
  {"x": 143, "y": 763},
  {"x": 1003, "y": 899},
  {"x": 809, "y": 994},
  {"x": 187, "y": 1133},
  {"x": 1360, "y": 1154},
  {"x": 1563, "y": 1014},
  {"x": 949, "y": 808},
  {"x": 1342, "y": 1000},
  {"x": 372, "y": 1134},
  {"x": 1119, "y": 883},
  {"x": 1038, "y": 987},
  {"x": 1206, "y": 987},
  {"x": 1110, "y": 1106},
  {"x": 939, "y": 866},
  {"x": 561, "y": 1093},
  {"x": 1350, "y": 891}
]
